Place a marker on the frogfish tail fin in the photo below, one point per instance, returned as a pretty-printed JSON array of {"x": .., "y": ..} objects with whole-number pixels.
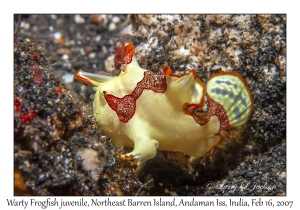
[{"x": 230, "y": 90}]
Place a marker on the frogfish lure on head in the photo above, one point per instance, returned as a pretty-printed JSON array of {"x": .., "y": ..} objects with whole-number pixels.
[{"x": 147, "y": 111}]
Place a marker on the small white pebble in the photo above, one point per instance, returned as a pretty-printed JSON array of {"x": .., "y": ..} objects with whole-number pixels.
[
  {"x": 109, "y": 64},
  {"x": 68, "y": 78},
  {"x": 19, "y": 88},
  {"x": 190, "y": 66},
  {"x": 41, "y": 176},
  {"x": 66, "y": 161},
  {"x": 116, "y": 19},
  {"x": 82, "y": 51},
  {"x": 57, "y": 35},
  {"x": 22, "y": 54},
  {"x": 92, "y": 97},
  {"x": 112, "y": 27},
  {"x": 173, "y": 193},
  {"x": 27, "y": 163},
  {"x": 78, "y": 19},
  {"x": 25, "y": 25},
  {"x": 98, "y": 38},
  {"x": 184, "y": 51},
  {"x": 50, "y": 28},
  {"x": 216, "y": 67},
  {"x": 65, "y": 57},
  {"x": 82, "y": 88},
  {"x": 104, "y": 50},
  {"x": 144, "y": 31},
  {"x": 282, "y": 175},
  {"x": 92, "y": 55},
  {"x": 53, "y": 17}
]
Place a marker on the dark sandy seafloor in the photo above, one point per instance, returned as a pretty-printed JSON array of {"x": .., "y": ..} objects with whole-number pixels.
[{"x": 58, "y": 149}]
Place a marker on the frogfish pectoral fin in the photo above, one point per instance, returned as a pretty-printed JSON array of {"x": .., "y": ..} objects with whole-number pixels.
[{"x": 90, "y": 78}]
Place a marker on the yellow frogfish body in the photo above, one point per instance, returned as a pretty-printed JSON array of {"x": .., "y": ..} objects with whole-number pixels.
[{"x": 148, "y": 111}]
